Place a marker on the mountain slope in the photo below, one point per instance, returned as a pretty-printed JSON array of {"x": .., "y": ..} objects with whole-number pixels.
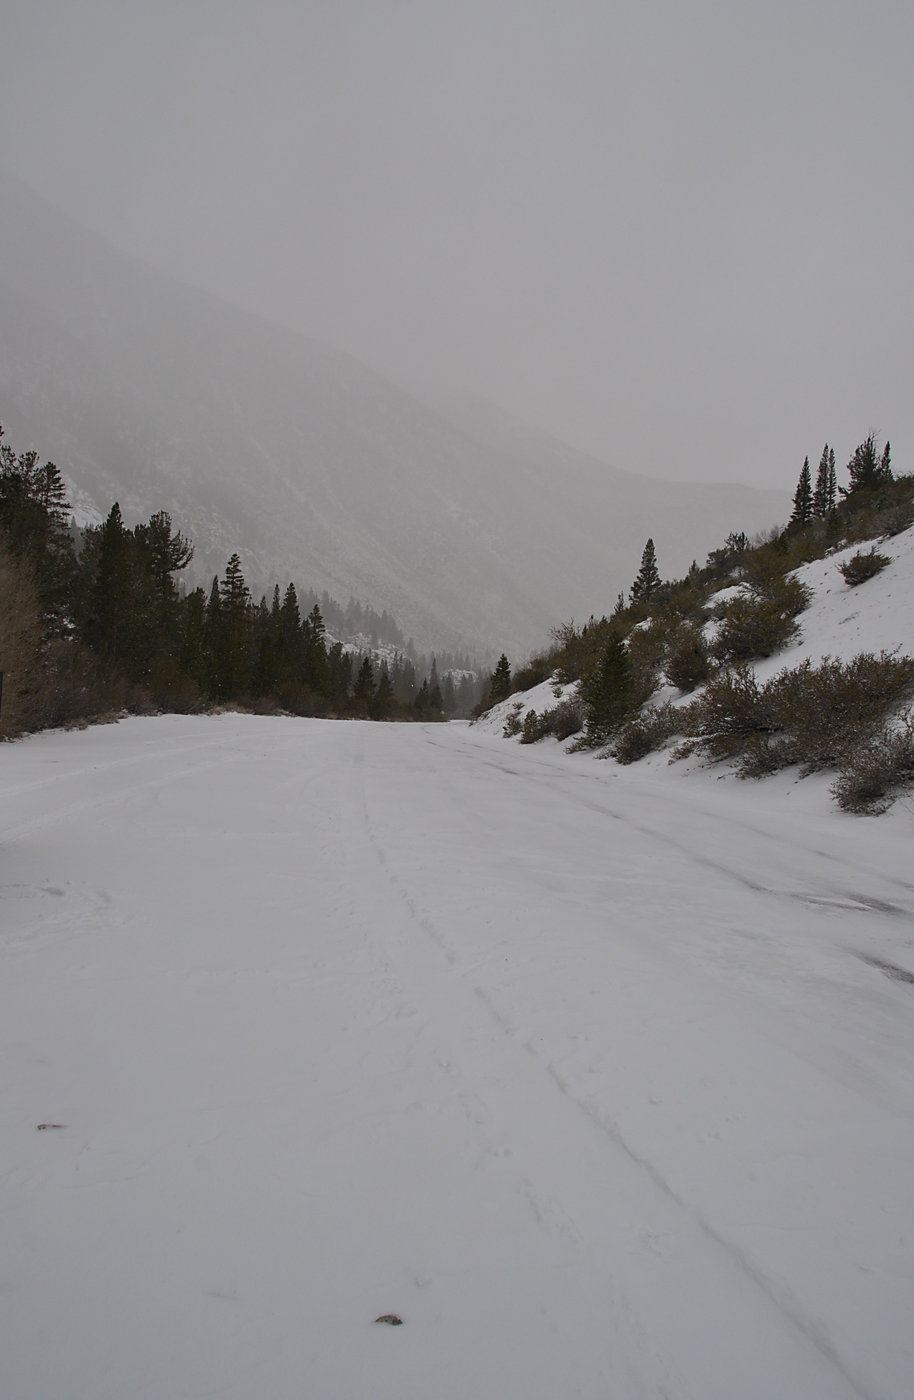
[{"x": 311, "y": 465}]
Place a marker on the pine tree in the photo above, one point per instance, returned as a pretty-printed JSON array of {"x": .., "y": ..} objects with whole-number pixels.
[
  {"x": 648, "y": 579},
  {"x": 339, "y": 675},
  {"x": 608, "y": 692},
  {"x": 382, "y": 702},
  {"x": 865, "y": 469},
  {"x": 314, "y": 660},
  {"x": 109, "y": 626},
  {"x": 34, "y": 524},
  {"x": 500, "y": 687},
  {"x": 802, "y": 499},
  {"x": 192, "y": 654},
  {"x": 422, "y": 701},
  {"x": 820, "y": 494},
  {"x": 885, "y": 465},
  {"x": 363, "y": 690},
  {"x": 235, "y": 620}
]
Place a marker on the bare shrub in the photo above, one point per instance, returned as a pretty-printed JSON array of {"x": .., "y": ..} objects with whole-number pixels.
[
  {"x": 80, "y": 687},
  {"x": 564, "y": 719},
  {"x": 534, "y": 672},
  {"x": 513, "y": 723},
  {"x": 646, "y": 732},
  {"x": 731, "y": 716},
  {"x": 688, "y": 662},
  {"x": 828, "y": 710},
  {"x": 896, "y": 518},
  {"x": 814, "y": 716},
  {"x": 862, "y": 566},
  {"x": 878, "y": 771},
  {"x": 757, "y": 626}
]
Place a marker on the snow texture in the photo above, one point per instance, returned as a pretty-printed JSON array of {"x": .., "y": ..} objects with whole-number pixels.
[{"x": 601, "y": 1080}]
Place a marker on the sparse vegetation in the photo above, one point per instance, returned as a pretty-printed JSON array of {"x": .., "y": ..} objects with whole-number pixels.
[
  {"x": 757, "y": 625},
  {"x": 878, "y": 770},
  {"x": 688, "y": 662},
  {"x": 565, "y": 719},
  {"x": 862, "y": 566},
  {"x": 647, "y": 731},
  {"x": 533, "y": 728},
  {"x": 835, "y": 714},
  {"x": 813, "y": 716}
]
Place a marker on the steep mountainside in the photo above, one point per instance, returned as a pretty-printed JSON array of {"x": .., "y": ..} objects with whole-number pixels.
[{"x": 472, "y": 530}]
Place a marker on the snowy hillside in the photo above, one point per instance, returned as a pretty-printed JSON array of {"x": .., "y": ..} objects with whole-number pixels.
[
  {"x": 475, "y": 534},
  {"x": 840, "y": 622}
]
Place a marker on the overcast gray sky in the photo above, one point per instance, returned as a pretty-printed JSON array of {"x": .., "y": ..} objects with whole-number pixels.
[{"x": 680, "y": 235}]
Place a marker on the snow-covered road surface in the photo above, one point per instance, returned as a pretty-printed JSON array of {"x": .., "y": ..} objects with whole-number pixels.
[{"x": 603, "y": 1081}]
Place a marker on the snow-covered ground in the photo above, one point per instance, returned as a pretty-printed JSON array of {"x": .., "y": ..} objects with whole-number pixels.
[{"x": 601, "y": 1080}]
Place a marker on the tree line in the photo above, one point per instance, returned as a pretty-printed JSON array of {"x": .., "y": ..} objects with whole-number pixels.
[{"x": 97, "y": 620}]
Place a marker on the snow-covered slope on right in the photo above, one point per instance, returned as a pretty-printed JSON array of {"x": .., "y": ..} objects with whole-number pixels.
[
  {"x": 832, "y": 695},
  {"x": 842, "y": 621}
]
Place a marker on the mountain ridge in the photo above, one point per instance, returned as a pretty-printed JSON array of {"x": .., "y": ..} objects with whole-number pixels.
[{"x": 308, "y": 463}]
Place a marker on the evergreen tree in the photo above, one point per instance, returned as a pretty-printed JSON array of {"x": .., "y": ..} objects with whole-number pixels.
[
  {"x": 802, "y": 499},
  {"x": 820, "y": 497},
  {"x": 363, "y": 690},
  {"x": 339, "y": 675},
  {"x": 500, "y": 687},
  {"x": 648, "y": 579},
  {"x": 382, "y": 702},
  {"x": 314, "y": 659},
  {"x": 435, "y": 700},
  {"x": 608, "y": 692},
  {"x": 865, "y": 469},
  {"x": 234, "y": 627},
  {"x": 192, "y": 654},
  {"x": 109, "y": 627},
  {"x": 158, "y": 553},
  {"x": 34, "y": 525}
]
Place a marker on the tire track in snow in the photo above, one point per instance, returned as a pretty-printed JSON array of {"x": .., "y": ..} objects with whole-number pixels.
[
  {"x": 545, "y": 775},
  {"x": 552, "y": 1216}
]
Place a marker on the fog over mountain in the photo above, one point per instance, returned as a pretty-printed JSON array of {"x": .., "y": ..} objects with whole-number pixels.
[{"x": 471, "y": 528}]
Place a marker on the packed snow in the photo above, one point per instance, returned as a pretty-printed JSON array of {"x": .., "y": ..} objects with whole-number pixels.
[{"x": 600, "y": 1079}]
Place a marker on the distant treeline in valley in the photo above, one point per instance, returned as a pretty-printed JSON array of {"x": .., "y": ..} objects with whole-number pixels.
[{"x": 95, "y": 621}]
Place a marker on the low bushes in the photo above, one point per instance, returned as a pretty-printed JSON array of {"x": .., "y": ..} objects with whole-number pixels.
[
  {"x": 757, "y": 625},
  {"x": 877, "y": 771},
  {"x": 862, "y": 566},
  {"x": 562, "y": 721},
  {"x": 688, "y": 662},
  {"x": 648, "y": 731},
  {"x": 814, "y": 716}
]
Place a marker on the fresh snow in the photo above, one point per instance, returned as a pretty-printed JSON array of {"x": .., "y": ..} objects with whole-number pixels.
[{"x": 601, "y": 1079}]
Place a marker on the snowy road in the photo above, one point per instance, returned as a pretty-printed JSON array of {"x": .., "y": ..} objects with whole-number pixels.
[{"x": 602, "y": 1080}]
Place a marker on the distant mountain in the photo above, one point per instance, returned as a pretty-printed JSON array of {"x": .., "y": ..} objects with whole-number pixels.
[{"x": 472, "y": 530}]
